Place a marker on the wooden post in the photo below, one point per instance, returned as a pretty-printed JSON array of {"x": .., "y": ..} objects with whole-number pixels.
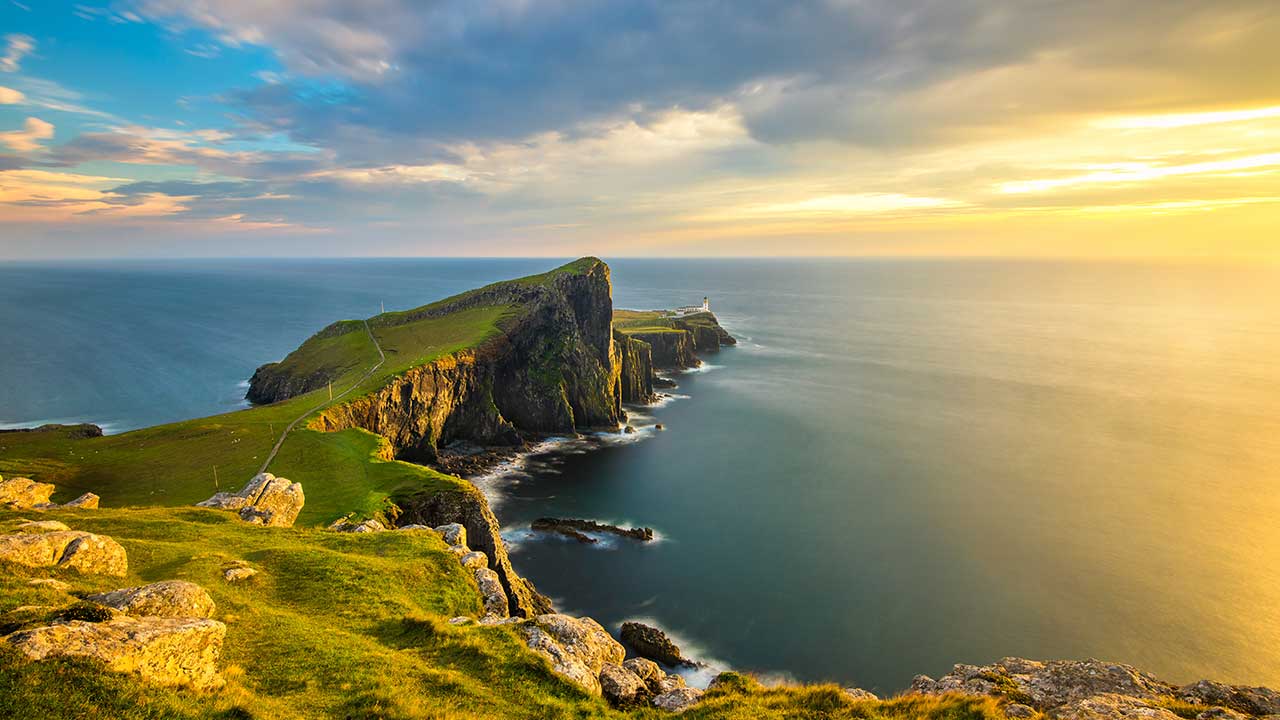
[
  {"x": 331, "y": 391},
  {"x": 215, "y": 479}
]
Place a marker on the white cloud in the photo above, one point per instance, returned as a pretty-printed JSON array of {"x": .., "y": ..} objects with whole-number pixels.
[
  {"x": 17, "y": 46},
  {"x": 9, "y": 96},
  {"x": 28, "y": 139}
]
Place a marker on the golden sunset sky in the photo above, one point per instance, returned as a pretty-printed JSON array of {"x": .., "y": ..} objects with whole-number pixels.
[{"x": 1143, "y": 129}]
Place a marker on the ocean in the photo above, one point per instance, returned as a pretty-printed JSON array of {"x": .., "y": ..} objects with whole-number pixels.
[{"x": 902, "y": 465}]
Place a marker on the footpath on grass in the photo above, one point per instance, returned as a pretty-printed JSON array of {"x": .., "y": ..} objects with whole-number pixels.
[{"x": 382, "y": 358}]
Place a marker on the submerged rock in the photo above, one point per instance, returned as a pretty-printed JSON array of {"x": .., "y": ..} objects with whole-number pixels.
[
  {"x": 170, "y": 598},
  {"x": 265, "y": 500},
  {"x": 576, "y": 529},
  {"x": 165, "y": 651},
  {"x": 577, "y": 648},
  {"x": 21, "y": 493},
  {"x": 71, "y": 549},
  {"x": 652, "y": 643}
]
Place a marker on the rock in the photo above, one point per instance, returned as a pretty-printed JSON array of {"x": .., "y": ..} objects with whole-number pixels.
[
  {"x": 164, "y": 651},
  {"x": 1045, "y": 685},
  {"x": 87, "y": 501},
  {"x": 265, "y": 500},
  {"x": 668, "y": 683},
  {"x": 1018, "y": 710},
  {"x": 622, "y": 687},
  {"x": 461, "y": 620},
  {"x": 574, "y": 528},
  {"x": 652, "y": 643},
  {"x": 577, "y": 648},
  {"x": 491, "y": 592},
  {"x": 49, "y": 583},
  {"x": 170, "y": 598},
  {"x": 677, "y": 700},
  {"x": 453, "y": 534},
  {"x": 415, "y": 526},
  {"x": 646, "y": 670},
  {"x": 367, "y": 526},
  {"x": 1221, "y": 713},
  {"x": 629, "y": 430},
  {"x": 854, "y": 693},
  {"x": 475, "y": 560},
  {"x": 73, "y": 549},
  {"x": 659, "y": 426},
  {"x": 238, "y": 573},
  {"x": 1110, "y": 706},
  {"x": 21, "y": 493},
  {"x": 1248, "y": 700},
  {"x": 42, "y": 526}
]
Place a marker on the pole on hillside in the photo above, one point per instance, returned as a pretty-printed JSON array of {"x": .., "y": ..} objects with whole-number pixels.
[
  {"x": 330, "y": 392},
  {"x": 382, "y": 306},
  {"x": 216, "y": 487}
]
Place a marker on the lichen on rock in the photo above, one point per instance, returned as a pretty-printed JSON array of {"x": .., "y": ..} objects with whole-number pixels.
[
  {"x": 168, "y": 598},
  {"x": 577, "y": 648},
  {"x": 69, "y": 549},
  {"x": 264, "y": 500}
]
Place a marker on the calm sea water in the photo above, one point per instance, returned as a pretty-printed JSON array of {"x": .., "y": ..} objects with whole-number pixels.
[{"x": 903, "y": 465}]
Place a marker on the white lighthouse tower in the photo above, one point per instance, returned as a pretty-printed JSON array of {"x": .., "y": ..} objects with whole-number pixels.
[{"x": 706, "y": 304}]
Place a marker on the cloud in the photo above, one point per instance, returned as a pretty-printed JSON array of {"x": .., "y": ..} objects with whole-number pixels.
[
  {"x": 28, "y": 139},
  {"x": 9, "y": 96},
  {"x": 17, "y": 46}
]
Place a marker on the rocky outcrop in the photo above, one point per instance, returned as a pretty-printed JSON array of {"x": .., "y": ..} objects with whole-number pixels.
[
  {"x": 467, "y": 507},
  {"x": 636, "y": 369},
  {"x": 577, "y": 648},
  {"x": 164, "y": 651},
  {"x": 652, "y": 643},
  {"x": 21, "y": 493},
  {"x": 492, "y": 595},
  {"x": 1093, "y": 689},
  {"x": 265, "y": 500},
  {"x": 170, "y": 598},
  {"x": 576, "y": 529},
  {"x": 87, "y": 501},
  {"x": 670, "y": 349},
  {"x": 622, "y": 687},
  {"x": 68, "y": 549},
  {"x": 677, "y": 700}
]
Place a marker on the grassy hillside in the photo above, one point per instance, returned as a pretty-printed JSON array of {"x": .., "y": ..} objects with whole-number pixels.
[
  {"x": 657, "y": 321},
  {"x": 347, "y": 626}
]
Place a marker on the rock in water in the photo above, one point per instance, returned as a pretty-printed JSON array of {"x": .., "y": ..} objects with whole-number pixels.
[
  {"x": 622, "y": 687},
  {"x": 81, "y": 551},
  {"x": 171, "y": 598},
  {"x": 21, "y": 493},
  {"x": 577, "y": 648},
  {"x": 652, "y": 643},
  {"x": 165, "y": 651},
  {"x": 265, "y": 500}
]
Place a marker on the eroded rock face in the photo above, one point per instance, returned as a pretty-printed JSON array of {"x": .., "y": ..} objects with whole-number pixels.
[
  {"x": 170, "y": 598},
  {"x": 491, "y": 592},
  {"x": 21, "y": 493},
  {"x": 265, "y": 500},
  {"x": 165, "y": 651},
  {"x": 636, "y": 358},
  {"x": 622, "y": 687},
  {"x": 670, "y": 349},
  {"x": 652, "y": 643},
  {"x": 577, "y": 648},
  {"x": 71, "y": 549}
]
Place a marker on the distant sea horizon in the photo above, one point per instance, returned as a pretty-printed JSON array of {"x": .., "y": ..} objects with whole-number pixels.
[{"x": 906, "y": 463}]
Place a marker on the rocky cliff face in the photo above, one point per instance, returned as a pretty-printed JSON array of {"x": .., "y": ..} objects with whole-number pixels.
[
  {"x": 670, "y": 349},
  {"x": 635, "y": 359}
]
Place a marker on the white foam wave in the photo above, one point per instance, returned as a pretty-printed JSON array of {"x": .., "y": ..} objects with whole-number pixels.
[
  {"x": 243, "y": 384},
  {"x": 704, "y": 367}
]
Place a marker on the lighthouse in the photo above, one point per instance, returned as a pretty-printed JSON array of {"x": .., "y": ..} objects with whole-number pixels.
[{"x": 706, "y": 304}]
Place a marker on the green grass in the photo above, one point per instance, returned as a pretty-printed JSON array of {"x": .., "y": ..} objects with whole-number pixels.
[
  {"x": 658, "y": 321},
  {"x": 348, "y": 626}
]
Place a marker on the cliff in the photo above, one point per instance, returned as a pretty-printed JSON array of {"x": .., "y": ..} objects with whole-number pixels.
[
  {"x": 636, "y": 366},
  {"x": 674, "y": 340}
]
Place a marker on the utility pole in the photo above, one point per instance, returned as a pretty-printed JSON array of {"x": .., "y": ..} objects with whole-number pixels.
[{"x": 382, "y": 306}]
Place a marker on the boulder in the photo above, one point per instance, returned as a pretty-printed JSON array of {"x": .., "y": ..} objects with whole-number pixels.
[
  {"x": 854, "y": 693},
  {"x": 164, "y": 651},
  {"x": 1110, "y": 706},
  {"x": 1248, "y": 700},
  {"x": 87, "y": 501},
  {"x": 491, "y": 592},
  {"x": 42, "y": 526},
  {"x": 265, "y": 500},
  {"x": 646, "y": 670},
  {"x": 170, "y": 598},
  {"x": 1045, "y": 685},
  {"x": 577, "y": 648},
  {"x": 677, "y": 700},
  {"x": 21, "y": 493},
  {"x": 652, "y": 643},
  {"x": 668, "y": 682},
  {"x": 414, "y": 526},
  {"x": 80, "y": 551},
  {"x": 453, "y": 534},
  {"x": 238, "y": 573},
  {"x": 474, "y": 560},
  {"x": 622, "y": 687},
  {"x": 366, "y": 526}
]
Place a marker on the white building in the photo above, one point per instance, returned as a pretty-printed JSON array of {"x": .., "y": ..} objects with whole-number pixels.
[{"x": 691, "y": 309}]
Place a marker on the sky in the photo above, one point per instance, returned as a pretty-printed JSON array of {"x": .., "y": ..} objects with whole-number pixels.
[{"x": 1028, "y": 128}]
